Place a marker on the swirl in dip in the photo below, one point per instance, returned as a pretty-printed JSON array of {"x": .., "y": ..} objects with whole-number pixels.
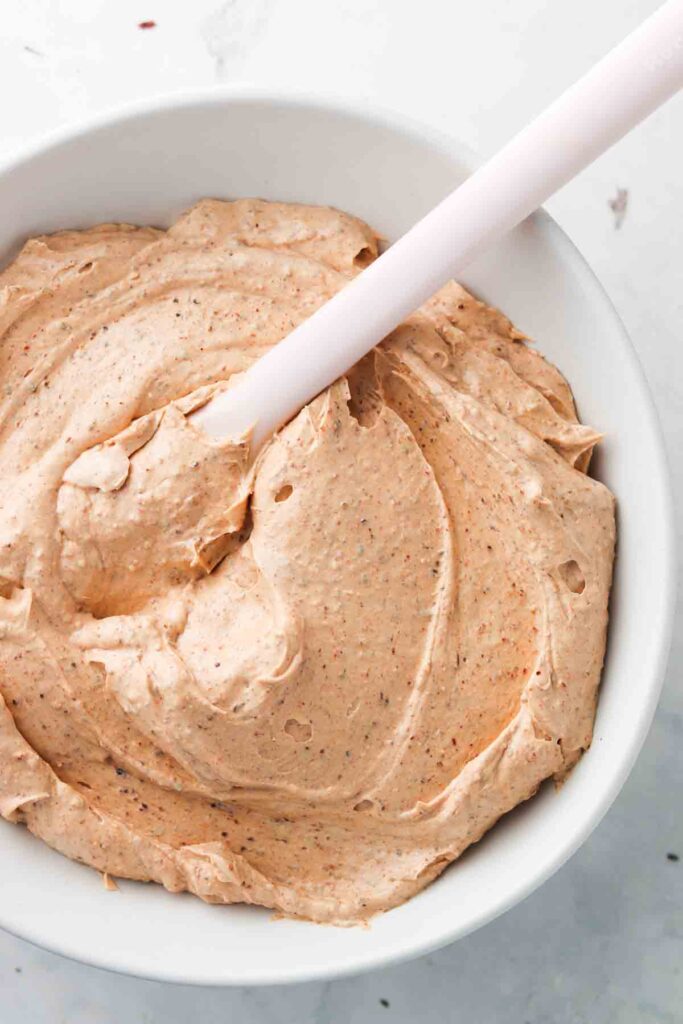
[{"x": 308, "y": 683}]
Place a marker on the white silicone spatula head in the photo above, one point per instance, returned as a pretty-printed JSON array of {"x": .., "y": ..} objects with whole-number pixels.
[{"x": 623, "y": 88}]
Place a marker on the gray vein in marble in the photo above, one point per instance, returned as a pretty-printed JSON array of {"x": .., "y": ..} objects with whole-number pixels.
[
  {"x": 619, "y": 206},
  {"x": 232, "y": 31}
]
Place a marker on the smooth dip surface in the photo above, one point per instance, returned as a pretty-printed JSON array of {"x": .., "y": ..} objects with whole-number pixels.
[{"x": 313, "y": 682}]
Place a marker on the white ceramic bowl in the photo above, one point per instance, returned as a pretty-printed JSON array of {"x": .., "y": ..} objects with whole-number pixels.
[{"x": 145, "y": 165}]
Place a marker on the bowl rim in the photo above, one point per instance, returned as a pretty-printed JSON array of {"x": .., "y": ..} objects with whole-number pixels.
[{"x": 381, "y": 116}]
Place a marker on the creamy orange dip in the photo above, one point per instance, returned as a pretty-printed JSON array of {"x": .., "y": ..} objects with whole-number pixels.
[{"x": 312, "y": 682}]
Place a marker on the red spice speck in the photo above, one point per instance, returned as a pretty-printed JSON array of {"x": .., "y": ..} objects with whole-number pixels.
[{"x": 147, "y": 24}]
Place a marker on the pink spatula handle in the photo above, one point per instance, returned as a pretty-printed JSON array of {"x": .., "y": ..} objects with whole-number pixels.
[{"x": 623, "y": 88}]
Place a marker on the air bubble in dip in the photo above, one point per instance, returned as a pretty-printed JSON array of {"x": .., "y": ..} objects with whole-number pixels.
[
  {"x": 571, "y": 574},
  {"x": 299, "y": 731}
]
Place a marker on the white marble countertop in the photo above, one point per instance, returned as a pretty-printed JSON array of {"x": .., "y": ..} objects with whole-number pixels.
[{"x": 603, "y": 940}]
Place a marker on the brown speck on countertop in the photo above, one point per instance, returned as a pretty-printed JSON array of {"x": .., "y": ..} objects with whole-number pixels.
[
  {"x": 147, "y": 24},
  {"x": 618, "y": 206}
]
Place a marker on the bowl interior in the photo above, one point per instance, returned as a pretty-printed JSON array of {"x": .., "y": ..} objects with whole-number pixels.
[{"x": 145, "y": 167}]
